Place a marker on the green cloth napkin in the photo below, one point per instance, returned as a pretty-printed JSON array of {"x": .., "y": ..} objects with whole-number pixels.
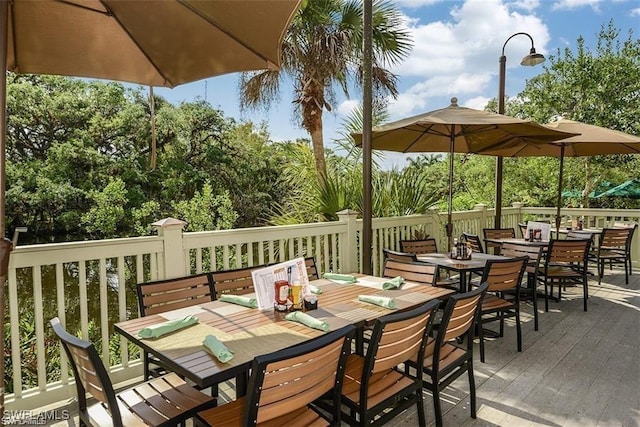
[
  {"x": 315, "y": 290},
  {"x": 347, "y": 278},
  {"x": 217, "y": 348},
  {"x": 305, "y": 319},
  {"x": 240, "y": 300},
  {"x": 380, "y": 300},
  {"x": 395, "y": 283},
  {"x": 156, "y": 331}
]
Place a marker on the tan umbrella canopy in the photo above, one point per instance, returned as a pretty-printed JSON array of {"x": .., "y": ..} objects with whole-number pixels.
[
  {"x": 456, "y": 129},
  {"x": 151, "y": 42},
  {"x": 591, "y": 141}
]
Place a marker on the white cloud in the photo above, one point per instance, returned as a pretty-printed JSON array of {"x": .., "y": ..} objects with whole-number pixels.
[
  {"x": 576, "y": 4},
  {"x": 459, "y": 56},
  {"x": 479, "y": 102},
  {"x": 415, "y": 4},
  {"x": 635, "y": 12},
  {"x": 347, "y": 106}
]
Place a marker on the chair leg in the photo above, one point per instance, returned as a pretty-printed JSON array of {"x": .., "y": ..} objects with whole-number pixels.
[
  {"x": 481, "y": 339},
  {"x": 518, "y": 329},
  {"x": 422, "y": 419},
  {"x": 585, "y": 290},
  {"x": 437, "y": 410},
  {"x": 535, "y": 303},
  {"x": 546, "y": 298},
  {"x": 472, "y": 388}
]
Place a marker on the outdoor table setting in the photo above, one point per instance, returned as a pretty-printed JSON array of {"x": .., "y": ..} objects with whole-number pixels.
[
  {"x": 475, "y": 264},
  {"x": 216, "y": 341}
]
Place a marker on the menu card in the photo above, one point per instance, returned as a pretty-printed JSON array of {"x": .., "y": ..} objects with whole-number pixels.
[
  {"x": 544, "y": 228},
  {"x": 264, "y": 279}
]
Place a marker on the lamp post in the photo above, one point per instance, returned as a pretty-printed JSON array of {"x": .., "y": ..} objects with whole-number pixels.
[{"x": 531, "y": 59}]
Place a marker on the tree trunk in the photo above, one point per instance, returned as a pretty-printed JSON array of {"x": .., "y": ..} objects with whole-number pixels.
[{"x": 317, "y": 141}]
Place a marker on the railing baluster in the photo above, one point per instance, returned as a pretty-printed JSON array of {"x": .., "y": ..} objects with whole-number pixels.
[{"x": 39, "y": 327}]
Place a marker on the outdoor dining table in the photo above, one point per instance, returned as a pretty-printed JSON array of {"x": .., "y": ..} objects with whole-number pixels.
[
  {"x": 461, "y": 266},
  {"x": 250, "y": 332}
]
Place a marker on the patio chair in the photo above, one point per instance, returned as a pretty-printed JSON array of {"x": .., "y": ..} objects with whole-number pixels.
[
  {"x": 535, "y": 254},
  {"x": 565, "y": 263},
  {"x": 615, "y": 248},
  {"x": 497, "y": 233},
  {"x": 502, "y": 299},
  {"x": 166, "y": 295},
  {"x": 474, "y": 240},
  {"x": 238, "y": 281},
  {"x": 284, "y": 384},
  {"x": 447, "y": 356},
  {"x": 523, "y": 229},
  {"x": 375, "y": 390},
  {"x": 163, "y": 401},
  {"x": 399, "y": 256},
  {"x": 415, "y": 272},
  {"x": 423, "y": 246}
]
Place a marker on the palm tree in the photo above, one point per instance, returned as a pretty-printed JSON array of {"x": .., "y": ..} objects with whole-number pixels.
[{"x": 322, "y": 50}]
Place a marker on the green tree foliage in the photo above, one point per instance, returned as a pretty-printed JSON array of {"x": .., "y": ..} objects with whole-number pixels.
[
  {"x": 322, "y": 50},
  {"x": 206, "y": 211},
  {"x": 78, "y": 161},
  {"x": 600, "y": 88}
]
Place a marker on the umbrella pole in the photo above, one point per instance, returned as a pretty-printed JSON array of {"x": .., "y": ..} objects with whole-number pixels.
[
  {"x": 5, "y": 244},
  {"x": 450, "y": 203},
  {"x": 367, "y": 97},
  {"x": 559, "y": 203}
]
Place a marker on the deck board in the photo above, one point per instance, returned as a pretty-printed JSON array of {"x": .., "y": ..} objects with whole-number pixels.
[{"x": 579, "y": 369}]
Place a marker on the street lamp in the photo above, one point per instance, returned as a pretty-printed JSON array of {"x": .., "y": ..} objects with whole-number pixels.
[{"x": 531, "y": 59}]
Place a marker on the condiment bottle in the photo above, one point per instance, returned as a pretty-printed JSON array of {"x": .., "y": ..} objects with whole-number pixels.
[{"x": 282, "y": 295}]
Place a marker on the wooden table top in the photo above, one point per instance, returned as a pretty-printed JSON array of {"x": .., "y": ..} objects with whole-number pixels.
[
  {"x": 476, "y": 263},
  {"x": 251, "y": 332}
]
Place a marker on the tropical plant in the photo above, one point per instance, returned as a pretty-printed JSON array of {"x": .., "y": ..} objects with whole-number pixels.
[{"x": 322, "y": 50}]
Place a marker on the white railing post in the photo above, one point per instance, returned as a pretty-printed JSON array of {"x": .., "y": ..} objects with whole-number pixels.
[
  {"x": 349, "y": 244},
  {"x": 483, "y": 217},
  {"x": 173, "y": 259},
  {"x": 518, "y": 206}
]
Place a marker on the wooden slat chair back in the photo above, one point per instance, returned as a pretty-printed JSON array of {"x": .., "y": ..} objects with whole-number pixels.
[
  {"x": 615, "y": 248},
  {"x": 399, "y": 256},
  {"x": 445, "y": 358},
  {"x": 166, "y": 295},
  {"x": 523, "y": 229},
  {"x": 497, "y": 233},
  {"x": 565, "y": 262},
  {"x": 474, "y": 241},
  {"x": 535, "y": 254},
  {"x": 312, "y": 269},
  {"x": 414, "y": 272},
  {"x": 502, "y": 299},
  {"x": 236, "y": 282},
  {"x": 423, "y": 246},
  {"x": 283, "y": 384},
  {"x": 163, "y": 401},
  {"x": 375, "y": 390}
]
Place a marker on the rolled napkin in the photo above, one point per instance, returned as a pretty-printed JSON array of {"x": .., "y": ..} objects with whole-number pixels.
[
  {"x": 156, "y": 331},
  {"x": 346, "y": 278},
  {"x": 395, "y": 283},
  {"x": 305, "y": 319},
  {"x": 380, "y": 300},
  {"x": 217, "y": 348},
  {"x": 239, "y": 299},
  {"x": 315, "y": 290}
]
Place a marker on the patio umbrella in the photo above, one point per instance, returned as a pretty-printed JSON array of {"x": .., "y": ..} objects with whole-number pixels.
[
  {"x": 153, "y": 42},
  {"x": 630, "y": 189},
  {"x": 591, "y": 141},
  {"x": 456, "y": 129}
]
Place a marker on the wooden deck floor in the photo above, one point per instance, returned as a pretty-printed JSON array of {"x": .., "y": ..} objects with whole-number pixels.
[{"x": 579, "y": 369}]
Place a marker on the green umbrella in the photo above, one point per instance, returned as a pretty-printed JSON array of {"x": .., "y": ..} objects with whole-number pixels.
[{"x": 629, "y": 189}]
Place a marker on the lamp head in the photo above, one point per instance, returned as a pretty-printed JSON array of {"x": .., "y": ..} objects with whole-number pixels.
[{"x": 533, "y": 58}]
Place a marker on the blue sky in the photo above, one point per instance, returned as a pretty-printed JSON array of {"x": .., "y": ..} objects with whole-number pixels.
[{"x": 457, "y": 45}]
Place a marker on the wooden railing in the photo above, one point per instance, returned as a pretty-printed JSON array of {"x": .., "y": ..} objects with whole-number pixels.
[{"x": 91, "y": 285}]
